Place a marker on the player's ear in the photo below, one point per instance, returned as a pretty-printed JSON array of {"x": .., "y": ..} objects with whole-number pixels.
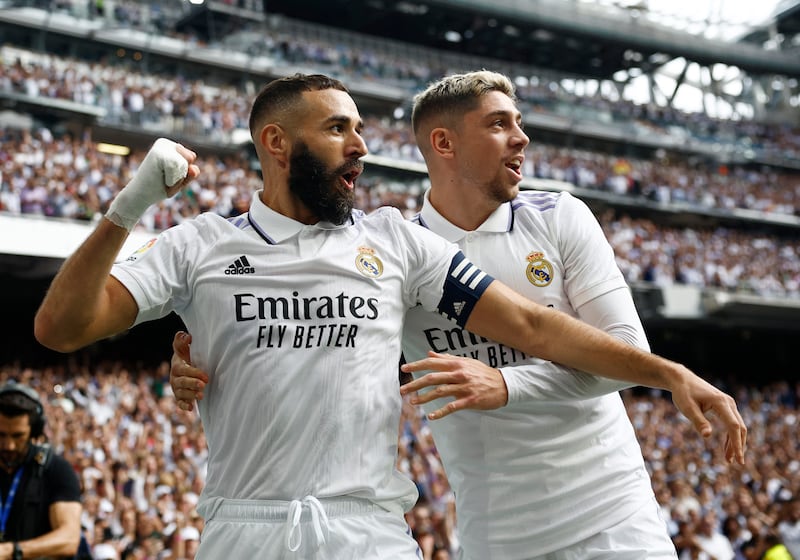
[
  {"x": 275, "y": 142},
  {"x": 441, "y": 141}
]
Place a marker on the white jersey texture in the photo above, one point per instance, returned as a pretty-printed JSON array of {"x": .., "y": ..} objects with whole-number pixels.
[
  {"x": 543, "y": 472},
  {"x": 299, "y": 328}
]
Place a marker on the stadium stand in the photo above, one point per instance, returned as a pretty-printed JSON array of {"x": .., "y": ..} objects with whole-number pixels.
[{"x": 702, "y": 212}]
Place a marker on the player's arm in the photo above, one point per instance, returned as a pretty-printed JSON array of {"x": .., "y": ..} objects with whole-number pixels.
[
  {"x": 476, "y": 385},
  {"x": 505, "y": 316},
  {"x": 84, "y": 303},
  {"x": 613, "y": 312}
]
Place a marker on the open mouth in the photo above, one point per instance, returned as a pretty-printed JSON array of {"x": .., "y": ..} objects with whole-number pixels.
[
  {"x": 515, "y": 165},
  {"x": 350, "y": 177}
]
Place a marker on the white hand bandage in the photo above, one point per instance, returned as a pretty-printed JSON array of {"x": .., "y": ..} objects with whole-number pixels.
[{"x": 163, "y": 167}]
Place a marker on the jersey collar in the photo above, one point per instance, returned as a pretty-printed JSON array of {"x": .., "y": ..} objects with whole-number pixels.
[
  {"x": 499, "y": 221},
  {"x": 276, "y": 227}
]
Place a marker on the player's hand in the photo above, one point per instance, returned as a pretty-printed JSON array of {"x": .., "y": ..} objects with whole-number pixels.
[
  {"x": 164, "y": 171},
  {"x": 187, "y": 381},
  {"x": 698, "y": 400},
  {"x": 471, "y": 383}
]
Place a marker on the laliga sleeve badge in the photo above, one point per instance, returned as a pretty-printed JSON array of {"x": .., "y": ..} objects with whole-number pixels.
[
  {"x": 368, "y": 264},
  {"x": 141, "y": 250},
  {"x": 539, "y": 270}
]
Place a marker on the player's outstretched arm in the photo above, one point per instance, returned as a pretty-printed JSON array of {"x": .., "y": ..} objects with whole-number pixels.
[
  {"x": 478, "y": 386},
  {"x": 503, "y": 315},
  {"x": 187, "y": 381},
  {"x": 84, "y": 303}
]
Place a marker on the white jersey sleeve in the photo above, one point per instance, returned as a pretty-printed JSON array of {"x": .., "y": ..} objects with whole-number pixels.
[
  {"x": 463, "y": 285},
  {"x": 164, "y": 264},
  {"x": 613, "y": 312},
  {"x": 597, "y": 292},
  {"x": 585, "y": 252}
]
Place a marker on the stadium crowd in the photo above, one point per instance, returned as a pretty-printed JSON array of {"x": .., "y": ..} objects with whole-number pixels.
[
  {"x": 142, "y": 464},
  {"x": 192, "y": 108},
  {"x": 357, "y": 58},
  {"x": 68, "y": 177}
]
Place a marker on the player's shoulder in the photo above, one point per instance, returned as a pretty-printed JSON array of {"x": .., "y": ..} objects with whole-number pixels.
[
  {"x": 390, "y": 223},
  {"x": 386, "y": 219},
  {"x": 385, "y": 214},
  {"x": 538, "y": 201},
  {"x": 547, "y": 205},
  {"x": 209, "y": 226}
]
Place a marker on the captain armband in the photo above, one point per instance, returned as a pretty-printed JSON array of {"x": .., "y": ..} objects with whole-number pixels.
[{"x": 463, "y": 287}]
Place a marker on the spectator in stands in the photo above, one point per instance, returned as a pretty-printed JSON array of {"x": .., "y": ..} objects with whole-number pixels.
[
  {"x": 765, "y": 547},
  {"x": 710, "y": 539},
  {"x": 789, "y": 525},
  {"x": 652, "y": 414},
  {"x": 736, "y": 534}
]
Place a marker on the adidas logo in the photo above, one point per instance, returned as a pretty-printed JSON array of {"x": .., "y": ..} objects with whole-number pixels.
[
  {"x": 458, "y": 307},
  {"x": 240, "y": 266}
]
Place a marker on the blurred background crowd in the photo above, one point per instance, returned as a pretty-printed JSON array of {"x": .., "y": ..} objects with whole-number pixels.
[
  {"x": 68, "y": 177},
  {"x": 734, "y": 182},
  {"x": 142, "y": 464}
]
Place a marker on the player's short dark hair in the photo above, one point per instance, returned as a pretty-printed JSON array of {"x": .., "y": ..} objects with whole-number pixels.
[{"x": 284, "y": 92}]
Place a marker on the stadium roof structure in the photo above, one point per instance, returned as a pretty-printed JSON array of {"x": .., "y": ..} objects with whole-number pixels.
[
  {"x": 587, "y": 39},
  {"x": 785, "y": 23},
  {"x": 627, "y": 44}
]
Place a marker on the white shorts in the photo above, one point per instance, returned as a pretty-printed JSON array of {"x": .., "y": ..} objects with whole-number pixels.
[
  {"x": 325, "y": 529},
  {"x": 642, "y": 536}
]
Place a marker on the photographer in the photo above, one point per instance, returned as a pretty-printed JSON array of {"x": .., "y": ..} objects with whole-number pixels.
[{"x": 40, "y": 506}]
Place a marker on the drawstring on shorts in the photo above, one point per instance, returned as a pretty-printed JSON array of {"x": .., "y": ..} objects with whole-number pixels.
[
  {"x": 319, "y": 520},
  {"x": 293, "y": 515}
]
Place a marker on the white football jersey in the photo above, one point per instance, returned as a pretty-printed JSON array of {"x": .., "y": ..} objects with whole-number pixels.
[
  {"x": 537, "y": 475},
  {"x": 299, "y": 328}
]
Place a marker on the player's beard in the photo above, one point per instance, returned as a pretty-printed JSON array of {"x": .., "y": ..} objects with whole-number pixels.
[
  {"x": 499, "y": 192},
  {"x": 319, "y": 188}
]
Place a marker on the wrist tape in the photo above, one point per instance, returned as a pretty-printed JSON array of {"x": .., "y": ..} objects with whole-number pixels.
[{"x": 163, "y": 167}]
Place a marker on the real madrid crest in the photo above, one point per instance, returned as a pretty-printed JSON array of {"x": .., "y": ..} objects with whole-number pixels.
[
  {"x": 367, "y": 263},
  {"x": 539, "y": 271}
]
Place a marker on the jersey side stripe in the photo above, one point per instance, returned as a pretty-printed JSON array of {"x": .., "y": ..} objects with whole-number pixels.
[
  {"x": 537, "y": 201},
  {"x": 536, "y": 205}
]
